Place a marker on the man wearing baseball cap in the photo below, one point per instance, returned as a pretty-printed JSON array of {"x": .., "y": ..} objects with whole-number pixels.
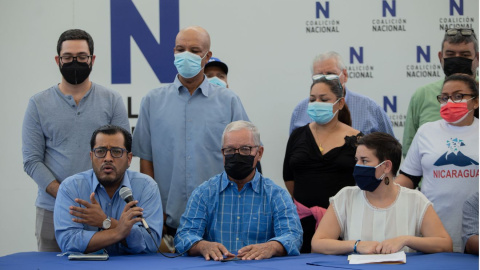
[{"x": 216, "y": 72}]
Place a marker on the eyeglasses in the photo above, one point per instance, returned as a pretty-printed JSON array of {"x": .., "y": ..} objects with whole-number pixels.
[
  {"x": 463, "y": 31},
  {"x": 83, "y": 58},
  {"x": 116, "y": 152},
  {"x": 243, "y": 150},
  {"x": 328, "y": 77},
  {"x": 455, "y": 98}
]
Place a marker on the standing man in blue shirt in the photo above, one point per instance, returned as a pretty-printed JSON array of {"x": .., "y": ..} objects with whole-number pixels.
[
  {"x": 180, "y": 124},
  {"x": 239, "y": 210},
  {"x": 58, "y": 124},
  {"x": 90, "y": 214},
  {"x": 367, "y": 115}
]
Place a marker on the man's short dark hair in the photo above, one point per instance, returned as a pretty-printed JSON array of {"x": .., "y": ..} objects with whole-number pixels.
[
  {"x": 459, "y": 39},
  {"x": 384, "y": 147},
  {"x": 75, "y": 34},
  {"x": 112, "y": 130}
]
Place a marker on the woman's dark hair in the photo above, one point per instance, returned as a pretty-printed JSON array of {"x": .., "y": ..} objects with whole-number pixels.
[
  {"x": 384, "y": 147},
  {"x": 112, "y": 130},
  {"x": 471, "y": 83},
  {"x": 337, "y": 89}
]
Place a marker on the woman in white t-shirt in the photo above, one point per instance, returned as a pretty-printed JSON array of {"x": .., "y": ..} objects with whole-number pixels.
[
  {"x": 377, "y": 215},
  {"x": 445, "y": 154}
]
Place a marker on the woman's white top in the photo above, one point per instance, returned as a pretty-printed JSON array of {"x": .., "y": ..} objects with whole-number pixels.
[{"x": 359, "y": 220}]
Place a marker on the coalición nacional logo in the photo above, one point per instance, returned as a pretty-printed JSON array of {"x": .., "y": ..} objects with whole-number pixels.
[
  {"x": 323, "y": 23},
  {"x": 390, "y": 105},
  {"x": 359, "y": 70},
  {"x": 456, "y": 19},
  {"x": 423, "y": 68},
  {"x": 389, "y": 23}
]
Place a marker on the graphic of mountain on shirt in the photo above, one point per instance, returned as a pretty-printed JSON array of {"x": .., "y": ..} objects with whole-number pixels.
[{"x": 454, "y": 156}]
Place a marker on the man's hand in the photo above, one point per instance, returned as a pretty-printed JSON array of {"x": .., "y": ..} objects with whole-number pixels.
[
  {"x": 92, "y": 214},
  {"x": 212, "y": 250},
  {"x": 105, "y": 238},
  {"x": 367, "y": 247},
  {"x": 391, "y": 245},
  {"x": 129, "y": 217},
  {"x": 261, "y": 251}
]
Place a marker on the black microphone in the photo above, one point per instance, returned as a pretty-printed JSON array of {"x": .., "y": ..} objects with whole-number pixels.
[{"x": 127, "y": 196}]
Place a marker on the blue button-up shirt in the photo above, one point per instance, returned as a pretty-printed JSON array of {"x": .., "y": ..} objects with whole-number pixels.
[
  {"x": 56, "y": 134},
  {"x": 367, "y": 116},
  {"x": 181, "y": 134},
  {"x": 74, "y": 237},
  {"x": 260, "y": 212}
]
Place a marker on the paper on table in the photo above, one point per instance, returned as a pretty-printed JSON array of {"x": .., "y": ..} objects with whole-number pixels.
[{"x": 398, "y": 257}]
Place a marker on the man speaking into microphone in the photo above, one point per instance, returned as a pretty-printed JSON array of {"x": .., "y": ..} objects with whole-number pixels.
[{"x": 90, "y": 213}]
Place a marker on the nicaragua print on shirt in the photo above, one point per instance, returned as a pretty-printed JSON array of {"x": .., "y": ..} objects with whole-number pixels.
[{"x": 454, "y": 156}]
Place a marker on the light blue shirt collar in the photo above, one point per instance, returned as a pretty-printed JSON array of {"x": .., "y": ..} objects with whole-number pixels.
[
  {"x": 204, "y": 87},
  {"x": 254, "y": 183},
  {"x": 96, "y": 184}
]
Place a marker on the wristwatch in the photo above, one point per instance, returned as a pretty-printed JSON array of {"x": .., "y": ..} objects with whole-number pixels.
[{"x": 107, "y": 223}]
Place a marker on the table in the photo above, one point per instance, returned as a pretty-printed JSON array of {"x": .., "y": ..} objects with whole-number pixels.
[{"x": 50, "y": 260}]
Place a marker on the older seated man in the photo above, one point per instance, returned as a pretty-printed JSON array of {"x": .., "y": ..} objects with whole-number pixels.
[
  {"x": 239, "y": 210},
  {"x": 90, "y": 214}
]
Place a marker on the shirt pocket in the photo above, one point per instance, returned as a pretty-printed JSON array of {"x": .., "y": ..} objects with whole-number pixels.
[
  {"x": 213, "y": 131},
  {"x": 259, "y": 228}
]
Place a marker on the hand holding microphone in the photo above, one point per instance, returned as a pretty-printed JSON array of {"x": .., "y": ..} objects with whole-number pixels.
[{"x": 126, "y": 194}]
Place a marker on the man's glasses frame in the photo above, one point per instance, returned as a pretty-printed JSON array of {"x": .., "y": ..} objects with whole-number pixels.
[
  {"x": 244, "y": 150},
  {"x": 116, "y": 152},
  {"x": 83, "y": 58}
]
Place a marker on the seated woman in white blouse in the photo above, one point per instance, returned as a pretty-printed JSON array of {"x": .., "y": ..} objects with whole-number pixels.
[{"x": 377, "y": 215}]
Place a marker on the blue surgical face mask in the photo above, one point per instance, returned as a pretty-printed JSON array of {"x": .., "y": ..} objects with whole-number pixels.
[
  {"x": 321, "y": 112},
  {"x": 188, "y": 64},
  {"x": 365, "y": 177},
  {"x": 217, "y": 81}
]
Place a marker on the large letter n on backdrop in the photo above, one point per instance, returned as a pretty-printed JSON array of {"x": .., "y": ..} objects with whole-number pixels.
[
  {"x": 458, "y": 8},
  {"x": 388, "y": 103},
  {"x": 325, "y": 11},
  {"x": 358, "y": 56},
  {"x": 391, "y": 9},
  {"x": 425, "y": 55},
  {"x": 127, "y": 22}
]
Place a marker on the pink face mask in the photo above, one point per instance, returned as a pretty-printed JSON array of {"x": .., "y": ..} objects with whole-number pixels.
[{"x": 454, "y": 112}]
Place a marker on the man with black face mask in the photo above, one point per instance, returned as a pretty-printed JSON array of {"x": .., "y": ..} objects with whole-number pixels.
[
  {"x": 239, "y": 211},
  {"x": 459, "y": 54},
  {"x": 58, "y": 123}
]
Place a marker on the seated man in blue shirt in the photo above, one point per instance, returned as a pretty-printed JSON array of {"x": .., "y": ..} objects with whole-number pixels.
[
  {"x": 239, "y": 210},
  {"x": 89, "y": 213}
]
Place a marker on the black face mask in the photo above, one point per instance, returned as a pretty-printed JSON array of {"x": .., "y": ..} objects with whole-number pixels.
[
  {"x": 75, "y": 72},
  {"x": 454, "y": 65},
  {"x": 239, "y": 167}
]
